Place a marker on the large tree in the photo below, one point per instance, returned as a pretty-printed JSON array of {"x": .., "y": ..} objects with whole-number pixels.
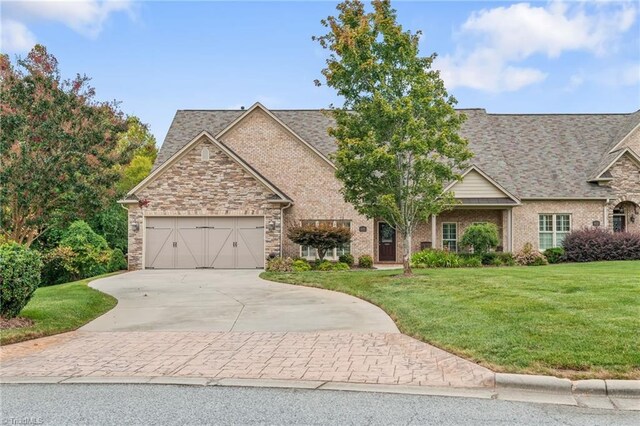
[
  {"x": 59, "y": 147},
  {"x": 397, "y": 131}
]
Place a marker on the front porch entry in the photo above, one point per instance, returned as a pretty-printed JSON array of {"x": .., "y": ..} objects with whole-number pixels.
[{"x": 386, "y": 243}]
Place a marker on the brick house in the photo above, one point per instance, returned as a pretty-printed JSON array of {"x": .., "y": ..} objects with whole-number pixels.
[{"x": 228, "y": 183}]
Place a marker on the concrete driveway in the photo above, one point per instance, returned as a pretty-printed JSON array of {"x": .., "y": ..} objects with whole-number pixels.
[{"x": 226, "y": 300}]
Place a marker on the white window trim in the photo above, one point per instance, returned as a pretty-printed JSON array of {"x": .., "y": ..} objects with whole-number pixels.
[
  {"x": 330, "y": 255},
  {"x": 457, "y": 236},
  {"x": 554, "y": 231}
]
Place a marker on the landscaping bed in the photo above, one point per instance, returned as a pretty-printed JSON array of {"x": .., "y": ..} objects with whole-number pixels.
[
  {"x": 569, "y": 320},
  {"x": 58, "y": 309}
]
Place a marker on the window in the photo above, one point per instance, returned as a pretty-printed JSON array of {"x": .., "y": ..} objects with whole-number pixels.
[
  {"x": 552, "y": 229},
  {"x": 204, "y": 154},
  {"x": 450, "y": 236},
  {"x": 311, "y": 253}
]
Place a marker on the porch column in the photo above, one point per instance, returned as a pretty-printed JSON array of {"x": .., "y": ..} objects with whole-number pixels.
[
  {"x": 434, "y": 232},
  {"x": 510, "y": 230}
]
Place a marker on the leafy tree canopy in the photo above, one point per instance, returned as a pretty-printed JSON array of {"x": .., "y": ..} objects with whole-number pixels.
[
  {"x": 60, "y": 148},
  {"x": 397, "y": 132}
]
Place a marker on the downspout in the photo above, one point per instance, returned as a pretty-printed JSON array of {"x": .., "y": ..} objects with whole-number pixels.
[
  {"x": 282, "y": 209},
  {"x": 606, "y": 214}
]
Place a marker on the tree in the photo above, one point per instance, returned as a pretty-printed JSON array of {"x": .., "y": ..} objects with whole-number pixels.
[
  {"x": 481, "y": 236},
  {"x": 397, "y": 132},
  {"x": 59, "y": 147},
  {"x": 322, "y": 237},
  {"x": 111, "y": 221}
]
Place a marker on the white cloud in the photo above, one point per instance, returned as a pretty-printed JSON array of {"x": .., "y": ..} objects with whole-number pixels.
[
  {"x": 15, "y": 37},
  {"x": 86, "y": 17},
  {"x": 492, "y": 41},
  {"x": 619, "y": 75}
]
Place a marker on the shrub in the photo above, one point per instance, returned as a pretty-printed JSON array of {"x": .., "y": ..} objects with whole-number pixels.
[
  {"x": 554, "y": 255},
  {"x": 300, "y": 265},
  {"x": 482, "y": 237},
  {"x": 280, "y": 264},
  {"x": 470, "y": 262},
  {"x": 117, "y": 261},
  {"x": 530, "y": 257},
  {"x": 341, "y": 266},
  {"x": 324, "y": 265},
  {"x": 91, "y": 253},
  {"x": 346, "y": 258},
  {"x": 365, "y": 261},
  {"x": 506, "y": 259},
  {"x": 490, "y": 258},
  {"x": 19, "y": 277},
  {"x": 322, "y": 237},
  {"x": 587, "y": 245},
  {"x": 59, "y": 266},
  {"x": 431, "y": 258}
]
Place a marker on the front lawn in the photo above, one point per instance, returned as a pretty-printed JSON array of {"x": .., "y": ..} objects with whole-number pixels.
[
  {"x": 60, "y": 308},
  {"x": 569, "y": 320}
]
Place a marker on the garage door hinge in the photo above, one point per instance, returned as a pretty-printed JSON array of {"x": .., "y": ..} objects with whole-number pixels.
[
  {"x": 205, "y": 227},
  {"x": 259, "y": 227},
  {"x": 151, "y": 227}
]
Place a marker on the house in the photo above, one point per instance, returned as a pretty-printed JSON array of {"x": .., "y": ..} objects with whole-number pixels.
[{"x": 227, "y": 184}]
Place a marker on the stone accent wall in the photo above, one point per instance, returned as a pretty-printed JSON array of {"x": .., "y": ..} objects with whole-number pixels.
[
  {"x": 626, "y": 185},
  {"x": 195, "y": 187},
  {"x": 525, "y": 217},
  {"x": 300, "y": 173}
]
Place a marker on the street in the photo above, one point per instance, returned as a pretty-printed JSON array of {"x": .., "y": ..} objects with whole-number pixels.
[{"x": 165, "y": 404}]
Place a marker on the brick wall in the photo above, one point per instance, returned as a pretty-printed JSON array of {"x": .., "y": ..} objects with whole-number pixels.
[
  {"x": 300, "y": 173},
  {"x": 195, "y": 187},
  {"x": 525, "y": 217}
]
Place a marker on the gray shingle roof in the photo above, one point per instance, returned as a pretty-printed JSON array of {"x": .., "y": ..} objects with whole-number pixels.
[{"x": 530, "y": 155}]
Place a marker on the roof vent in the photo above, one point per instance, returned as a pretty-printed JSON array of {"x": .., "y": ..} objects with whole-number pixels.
[{"x": 242, "y": 107}]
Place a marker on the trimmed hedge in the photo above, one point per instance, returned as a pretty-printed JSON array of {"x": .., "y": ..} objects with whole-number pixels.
[
  {"x": 554, "y": 255},
  {"x": 19, "y": 277},
  {"x": 365, "y": 261},
  {"x": 589, "y": 245}
]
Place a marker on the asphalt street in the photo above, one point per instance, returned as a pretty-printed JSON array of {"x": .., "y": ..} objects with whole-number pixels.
[{"x": 48, "y": 404}]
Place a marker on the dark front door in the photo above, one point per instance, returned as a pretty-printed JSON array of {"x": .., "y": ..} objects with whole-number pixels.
[{"x": 386, "y": 243}]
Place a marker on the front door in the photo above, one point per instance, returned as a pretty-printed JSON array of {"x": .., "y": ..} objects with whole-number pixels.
[
  {"x": 386, "y": 243},
  {"x": 619, "y": 222}
]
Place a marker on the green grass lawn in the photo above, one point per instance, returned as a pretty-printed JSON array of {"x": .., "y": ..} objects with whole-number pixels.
[
  {"x": 570, "y": 320},
  {"x": 60, "y": 308}
]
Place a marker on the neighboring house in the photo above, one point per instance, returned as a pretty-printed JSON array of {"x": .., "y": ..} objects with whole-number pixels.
[{"x": 227, "y": 185}]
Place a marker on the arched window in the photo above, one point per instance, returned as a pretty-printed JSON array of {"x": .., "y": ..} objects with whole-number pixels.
[{"x": 204, "y": 155}]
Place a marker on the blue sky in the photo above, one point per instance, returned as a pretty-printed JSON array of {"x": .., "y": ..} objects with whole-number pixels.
[{"x": 157, "y": 57}]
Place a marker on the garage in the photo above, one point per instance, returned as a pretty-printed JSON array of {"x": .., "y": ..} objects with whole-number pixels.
[{"x": 204, "y": 242}]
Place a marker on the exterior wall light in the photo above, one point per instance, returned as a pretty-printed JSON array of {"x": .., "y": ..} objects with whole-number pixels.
[
  {"x": 135, "y": 226},
  {"x": 271, "y": 225}
]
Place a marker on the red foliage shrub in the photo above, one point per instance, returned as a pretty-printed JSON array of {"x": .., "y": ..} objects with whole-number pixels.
[{"x": 588, "y": 245}]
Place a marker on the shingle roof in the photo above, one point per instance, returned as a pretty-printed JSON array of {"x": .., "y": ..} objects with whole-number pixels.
[{"x": 530, "y": 155}]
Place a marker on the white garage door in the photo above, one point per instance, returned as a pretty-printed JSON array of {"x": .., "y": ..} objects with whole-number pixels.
[{"x": 204, "y": 242}]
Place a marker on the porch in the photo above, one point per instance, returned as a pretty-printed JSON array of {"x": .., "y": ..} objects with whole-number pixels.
[{"x": 444, "y": 231}]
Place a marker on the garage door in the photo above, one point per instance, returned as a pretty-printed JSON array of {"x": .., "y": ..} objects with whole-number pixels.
[{"x": 204, "y": 242}]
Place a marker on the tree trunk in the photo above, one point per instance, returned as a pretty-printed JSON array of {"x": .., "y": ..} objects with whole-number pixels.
[{"x": 406, "y": 253}]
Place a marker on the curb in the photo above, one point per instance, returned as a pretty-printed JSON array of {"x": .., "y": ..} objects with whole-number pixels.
[
  {"x": 600, "y": 394},
  {"x": 550, "y": 384}
]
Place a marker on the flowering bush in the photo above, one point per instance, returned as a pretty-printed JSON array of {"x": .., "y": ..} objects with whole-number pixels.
[{"x": 530, "y": 257}]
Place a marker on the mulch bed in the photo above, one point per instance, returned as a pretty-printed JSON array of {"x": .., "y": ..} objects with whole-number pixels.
[{"x": 17, "y": 322}]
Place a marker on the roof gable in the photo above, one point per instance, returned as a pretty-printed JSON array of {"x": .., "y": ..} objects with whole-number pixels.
[
  {"x": 259, "y": 106},
  {"x": 602, "y": 172},
  {"x": 130, "y": 197},
  {"x": 477, "y": 185}
]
